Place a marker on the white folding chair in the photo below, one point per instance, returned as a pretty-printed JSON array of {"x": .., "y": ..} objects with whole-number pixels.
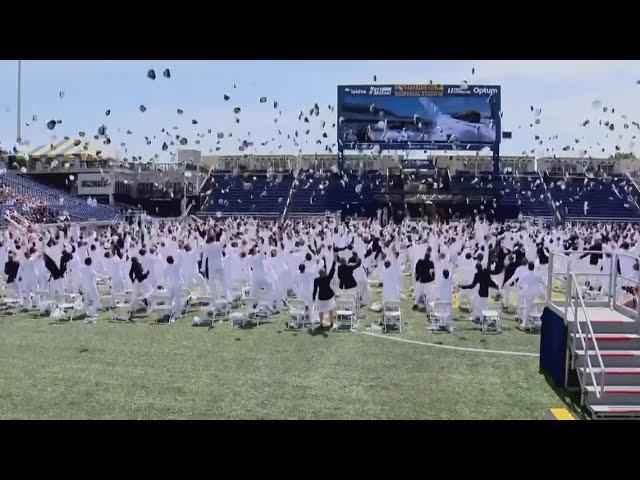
[
  {"x": 236, "y": 294},
  {"x": 9, "y": 298},
  {"x": 159, "y": 297},
  {"x": 392, "y": 311},
  {"x": 345, "y": 313},
  {"x": 297, "y": 310},
  {"x": 464, "y": 302},
  {"x": 441, "y": 319},
  {"x": 373, "y": 279},
  {"x": 78, "y": 308},
  {"x": 505, "y": 301},
  {"x": 428, "y": 309},
  {"x": 534, "y": 319},
  {"x": 351, "y": 295},
  {"x": 251, "y": 309},
  {"x": 105, "y": 297},
  {"x": 120, "y": 307},
  {"x": 201, "y": 300},
  {"x": 220, "y": 310},
  {"x": 161, "y": 312},
  {"x": 490, "y": 321},
  {"x": 45, "y": 302}
]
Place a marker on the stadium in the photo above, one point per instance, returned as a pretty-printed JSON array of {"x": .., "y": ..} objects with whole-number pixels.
[{"x": 409, "y": 272}]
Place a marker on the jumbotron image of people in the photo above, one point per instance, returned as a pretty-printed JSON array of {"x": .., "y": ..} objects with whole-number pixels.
[{"x": 375, "y": 119}]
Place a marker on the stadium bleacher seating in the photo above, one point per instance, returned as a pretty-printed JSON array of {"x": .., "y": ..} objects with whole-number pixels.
[
  {"x": 315, "y": 193},
  {"x": 252, "y": 193},
  {"x": 523, "y": 193},
  {"x": 607, "y": 198},
  {"x": 75, "y": 207},
  {"x": 349, "y": 192}
]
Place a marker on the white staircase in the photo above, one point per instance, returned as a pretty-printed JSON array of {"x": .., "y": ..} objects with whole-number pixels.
[{"x": 603, "y": 340}]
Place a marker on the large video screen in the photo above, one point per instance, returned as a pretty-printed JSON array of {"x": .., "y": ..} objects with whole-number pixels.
[{"x": 419, "y": 117}]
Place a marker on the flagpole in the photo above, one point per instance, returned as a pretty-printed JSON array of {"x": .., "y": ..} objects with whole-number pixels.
[{"x": 19, "y": 138}]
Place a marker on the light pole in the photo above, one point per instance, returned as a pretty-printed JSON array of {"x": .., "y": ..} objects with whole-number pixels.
[{"x": 19, "y": 136}]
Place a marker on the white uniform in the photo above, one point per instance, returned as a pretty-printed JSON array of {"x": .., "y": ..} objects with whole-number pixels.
[
  {"x": 175, "y": 288},
  {"x": 530, "y": 283},
  {"x": 90, "y": 297}
]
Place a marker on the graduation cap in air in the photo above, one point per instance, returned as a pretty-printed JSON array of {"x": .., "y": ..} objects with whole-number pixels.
[
  {"x": 51, "y": 124},
  {"x": 236, "y": 110},
  {"x": 263, "y": 99},
  {"x": 166, "y": 73},
  {"x": 180, "y": 111},
  {"x": 194, "y": 122},
  {"x": 107, "y": 113},
  {"x": 143, "y": 108},
  {"x": 183, "y": 141},
  {"x": 226, "y": 97},
  {"x": 151, "y": 74}
]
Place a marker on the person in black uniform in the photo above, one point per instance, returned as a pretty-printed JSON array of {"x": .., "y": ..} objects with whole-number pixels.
[
  {"x": 11, "y": 271},
  {"x": 345, "y": 274},
  {"x": 425, "y": 275},
  {"x": 484, "y": 280},
  {"x": 594, "y": 258},
  {"x": 323, "y": 293},
  {"x": 510, "y": 269},
  {"x": 543, "y": 254},
  {"x": 137, "y": 276}
]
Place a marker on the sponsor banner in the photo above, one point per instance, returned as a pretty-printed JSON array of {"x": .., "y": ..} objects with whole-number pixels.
[
  {"x": 425, "y": 90},
  {"x": 417, "y": 146}
]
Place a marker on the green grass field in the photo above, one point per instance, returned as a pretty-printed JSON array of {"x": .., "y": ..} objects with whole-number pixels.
[{"x": 149, "y": 371}]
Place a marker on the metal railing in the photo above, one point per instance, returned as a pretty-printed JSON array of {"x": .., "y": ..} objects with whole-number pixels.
[
  {"x": 289, "y": 198},
  {"x": 579, "y": 307},
  {"x": 617, "y": 287},
  {"x": 631, "y": 197},
  {"x": 574, "y": 306},
  {"x": 605, "y": 277},
  {"x": 550, "y": 201}
]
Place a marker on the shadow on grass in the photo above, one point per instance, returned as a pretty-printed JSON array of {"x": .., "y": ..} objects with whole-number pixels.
[
  {"x": 571, "y": 399},
  {"x": 317, "y": 331}
]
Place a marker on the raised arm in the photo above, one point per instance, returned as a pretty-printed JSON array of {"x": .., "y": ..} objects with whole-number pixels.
[
  {"x": 333, "y": 270},
  {"x": 473, "y": 284}
]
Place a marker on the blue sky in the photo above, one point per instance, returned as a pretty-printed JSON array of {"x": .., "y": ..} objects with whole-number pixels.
[{"x": 563, "y": 90}]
